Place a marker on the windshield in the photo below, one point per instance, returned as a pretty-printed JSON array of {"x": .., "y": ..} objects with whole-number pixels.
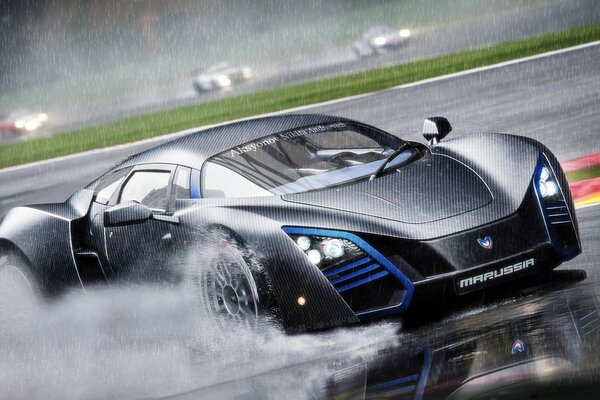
[
  {"x": 378, "y": 31},
  {"x": 217, "y": 68},
  {"x": 301, "y": 160}
]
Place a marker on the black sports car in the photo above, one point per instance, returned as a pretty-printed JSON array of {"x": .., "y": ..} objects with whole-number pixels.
[{"x": 316, "y": 220}]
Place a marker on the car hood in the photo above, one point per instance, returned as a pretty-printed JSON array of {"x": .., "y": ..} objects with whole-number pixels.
[{"x": 431, "y": 189}]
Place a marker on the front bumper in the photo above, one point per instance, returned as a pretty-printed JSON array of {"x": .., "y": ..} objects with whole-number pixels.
[
  {"x": 521, "y": 246},
  {"x": 522, "y": 269}
]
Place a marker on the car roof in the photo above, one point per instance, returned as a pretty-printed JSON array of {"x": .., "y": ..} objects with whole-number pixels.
[
  {"x": 194, "y": 149},
  {"x": 378, "y": 30},
  {"x": 218, "y": 67}
]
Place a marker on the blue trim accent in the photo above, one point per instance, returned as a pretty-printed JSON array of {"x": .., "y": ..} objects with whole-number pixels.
[
  {"x": 363, "y": 281},
  {"x": 394, "y": 382},
  {"x": 399, "y": 391},
  {"x": 195, "y": 184},
  {"x": 375, "y": 255},
  {"x": 427, "y": 356},
  {"x": 354, "y": 274},
  {"x": 417, "y": 389},
  {"x": 335, "y": 271},
  {"x": 543, "y": 162}
]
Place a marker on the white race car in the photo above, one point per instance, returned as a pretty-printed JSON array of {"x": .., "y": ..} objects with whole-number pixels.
[
  {"x": 380, "y": 39},
  {"x": 220, "y": 76}
]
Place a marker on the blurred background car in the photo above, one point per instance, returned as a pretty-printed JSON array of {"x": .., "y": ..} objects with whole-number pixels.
[
  {"x": 21, "y": 122},
  {"x": 220, "y": 76},
  {"x": 380, "y": 39},
  {"x": 25, "y": 121},
  {"x": 7, "y": 128}
]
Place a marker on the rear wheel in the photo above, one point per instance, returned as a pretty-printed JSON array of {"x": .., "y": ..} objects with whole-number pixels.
[{"x": 19, "y": 296}]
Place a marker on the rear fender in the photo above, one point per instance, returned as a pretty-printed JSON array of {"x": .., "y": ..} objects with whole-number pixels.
[{"x": 42, "y": 234}]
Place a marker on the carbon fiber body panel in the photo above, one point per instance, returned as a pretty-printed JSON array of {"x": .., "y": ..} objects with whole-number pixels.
[{"x": 422, "y": 223}]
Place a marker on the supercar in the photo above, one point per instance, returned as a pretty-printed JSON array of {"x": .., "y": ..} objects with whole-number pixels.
[{"x": 312, "y": 220}]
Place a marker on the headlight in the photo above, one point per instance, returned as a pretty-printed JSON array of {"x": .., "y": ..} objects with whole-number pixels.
[
  {"x": 303, "y": 242},
  {"x": 32, "y": 125},
  {"x": 548, "y": 189},
  {"x": 379, "y": 41},
  {"x": 223, "y": 80},
  {"x": 556, "y": 210},
  {"x": 314, "y": 256},
  {"x": 247, "y": 72},
  {"x": 404, "y": 33},
  {"x": 546, "y": 182},
  {"x": 367, "y": 281},
  {"x": 325, "y": 252},
  {"x": 333, "y": 248}
]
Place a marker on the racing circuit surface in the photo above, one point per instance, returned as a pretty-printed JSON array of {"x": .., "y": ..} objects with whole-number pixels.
[
  {"x": 149, "y": 343},
  {"x": 430, "y": 40},
  {"x": 552, "y": 99}
]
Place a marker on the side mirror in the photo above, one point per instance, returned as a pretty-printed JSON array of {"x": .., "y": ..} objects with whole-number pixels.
[
  {"x": 126, "y": 214},
  {"x": 435, "y": 129}
]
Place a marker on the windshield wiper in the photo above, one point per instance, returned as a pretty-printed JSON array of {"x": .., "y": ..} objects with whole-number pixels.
[{"x": 390, "y": 158}]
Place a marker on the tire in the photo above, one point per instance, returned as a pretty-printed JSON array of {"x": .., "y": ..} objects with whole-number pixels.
[
  {"x": 202, "y": 89},
  {"x": 232, "y": 290},
  {"x": 19, "y": 293}
]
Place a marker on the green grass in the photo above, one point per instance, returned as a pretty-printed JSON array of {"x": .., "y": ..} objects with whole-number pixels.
[
  {"x": 588, "y": 173},
  {"x": 143, "y": 127}
]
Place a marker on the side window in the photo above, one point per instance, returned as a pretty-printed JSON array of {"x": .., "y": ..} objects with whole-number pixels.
[
  {"x": 106, "y": 186},
  {"x": 219, "y": 182},
  {"x": 181, "y": 185},
  {"x": 150, "y": 188}
]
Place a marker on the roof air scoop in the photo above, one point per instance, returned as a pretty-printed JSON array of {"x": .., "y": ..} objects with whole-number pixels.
[{"x": 435, "y": 129}]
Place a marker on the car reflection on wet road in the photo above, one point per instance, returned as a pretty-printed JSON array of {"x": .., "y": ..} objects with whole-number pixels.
[{"x": 542, "y": 344}]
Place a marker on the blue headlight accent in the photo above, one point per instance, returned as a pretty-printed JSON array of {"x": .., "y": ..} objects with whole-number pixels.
[
  {"x": 554, "y": 207},
  {"x": 195, "y": 184},
  {"x": 374, "y": 255},
  {"x": 363, "y": 281},
  {"x": 394, "y": 382},
  {"x": 347, "y": 267},
  {"x": 354, "y": 274}
]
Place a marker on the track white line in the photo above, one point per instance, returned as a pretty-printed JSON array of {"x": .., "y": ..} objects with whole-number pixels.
[
  {"x": 305, "y": 107},
  {"x": 586, "y": 206}
]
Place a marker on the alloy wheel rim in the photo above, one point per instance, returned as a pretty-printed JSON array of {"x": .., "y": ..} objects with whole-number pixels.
[{"x": 231, "y": 298}]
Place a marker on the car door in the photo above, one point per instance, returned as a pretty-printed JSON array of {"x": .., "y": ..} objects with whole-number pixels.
[
  {"x": 140, "y": 249},
  {"x": 94, "y": 240}
]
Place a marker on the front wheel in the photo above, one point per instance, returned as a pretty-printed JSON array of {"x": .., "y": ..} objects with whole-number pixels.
[{"x": 231, "y": 289}]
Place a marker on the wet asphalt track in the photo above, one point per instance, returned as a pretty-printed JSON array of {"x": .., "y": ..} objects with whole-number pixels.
[
  {"x": 429, "y": 41},
  {"x": 554, "y": 100}
]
